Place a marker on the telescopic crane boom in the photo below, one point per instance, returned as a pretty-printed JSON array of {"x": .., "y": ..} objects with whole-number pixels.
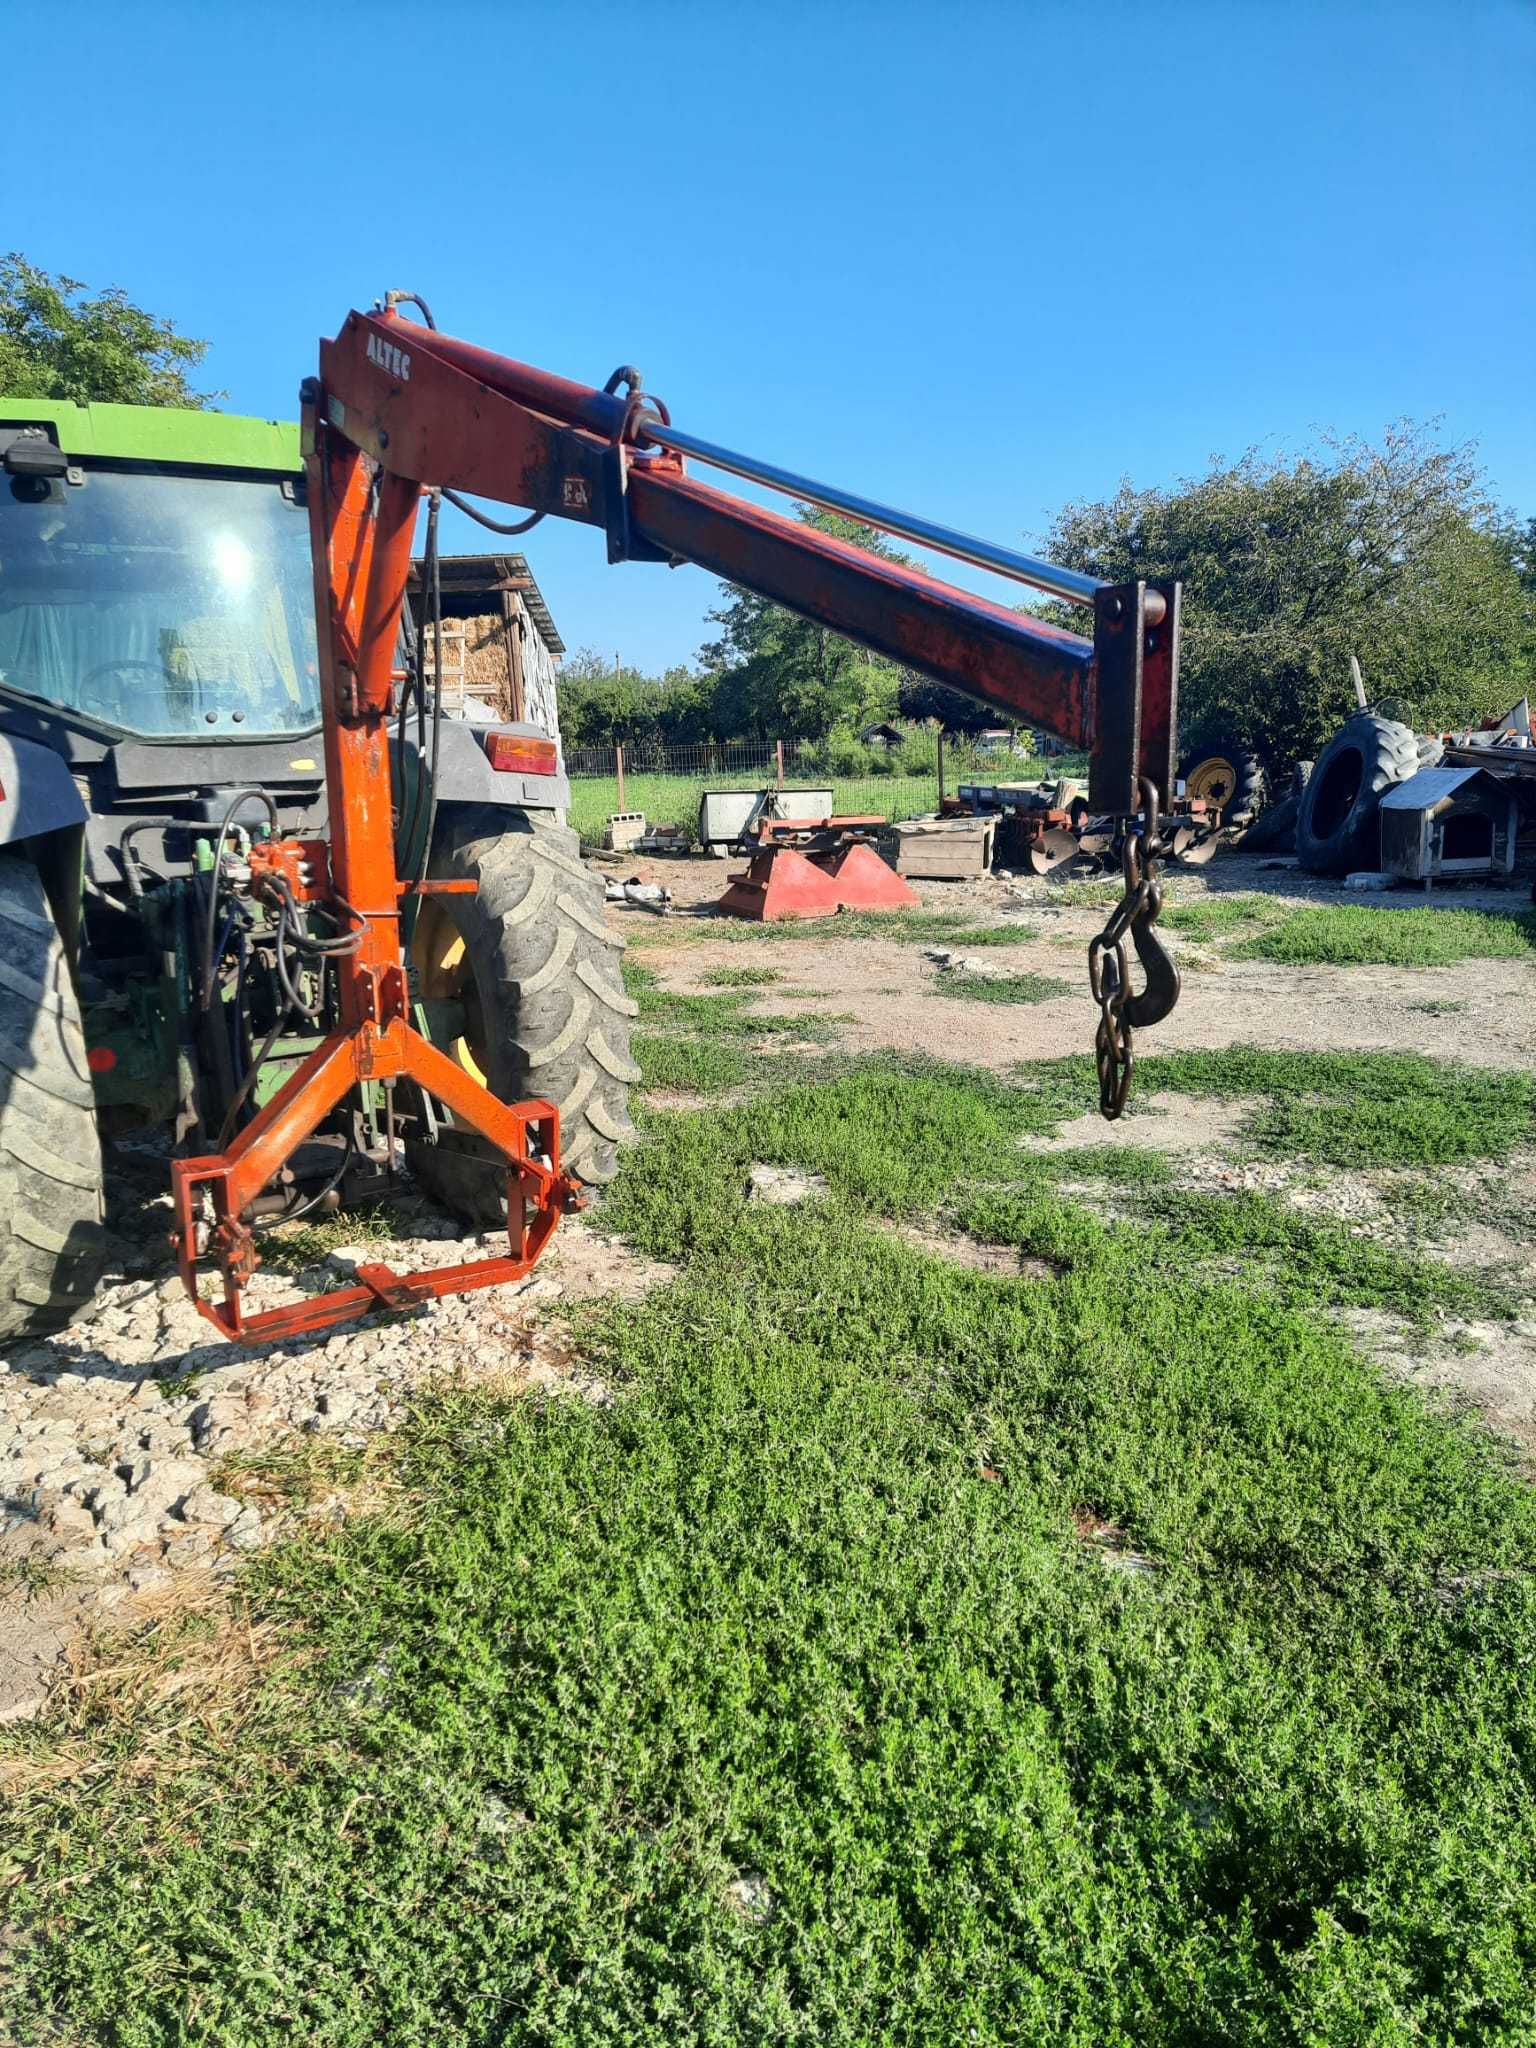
[{"x": 399, "y": 408}]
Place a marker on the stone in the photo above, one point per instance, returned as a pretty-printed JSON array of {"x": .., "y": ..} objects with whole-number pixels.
[
  {"x": 71, "y": 1522},
  {"x": 750, "y": 1897},
  {"x": 1368, "y": 880},
  {"x": 206, "y": 1504},
  {"x": 782, "y": 1185},
  {"x": 168, "y": 1482}
]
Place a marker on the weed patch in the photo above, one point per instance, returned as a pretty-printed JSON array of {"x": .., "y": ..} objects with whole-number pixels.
[
  {"x": 1215, "y": 917},
  {"x": 741, "y": 977},
  {"x": 818, "y": 1615},
  {"x": 1360, "y": 1109},
  {"x": 1358, "y": 934},
  {"x": 292, "y": 1247},
  {"x": 999, "y": 988}
]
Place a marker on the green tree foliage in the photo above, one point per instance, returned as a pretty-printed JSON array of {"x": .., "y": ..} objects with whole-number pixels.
[
  {"x": 56, "y": 342},
  {"x": 1392, "y": 552},
  {"x": 779, "y": 673},
  {"x": 602, "y": 702}
]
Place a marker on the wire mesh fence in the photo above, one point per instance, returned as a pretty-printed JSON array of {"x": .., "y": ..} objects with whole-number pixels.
[{"x": 893, "y": 782}]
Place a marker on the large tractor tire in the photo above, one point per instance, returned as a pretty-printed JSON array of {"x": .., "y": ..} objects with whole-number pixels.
[
  {"x": 1227, "y": 776},
  {"x": 1338, "y": 829},
  {"x": 51, "y": 1181},
  {"x": 535, "y": 974}
]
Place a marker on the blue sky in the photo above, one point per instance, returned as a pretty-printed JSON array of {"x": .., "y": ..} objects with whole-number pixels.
[{"x": 975, "y": 260}]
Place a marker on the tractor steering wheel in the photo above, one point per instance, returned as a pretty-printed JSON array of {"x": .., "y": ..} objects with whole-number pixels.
[{"x": 118, "y": 668}]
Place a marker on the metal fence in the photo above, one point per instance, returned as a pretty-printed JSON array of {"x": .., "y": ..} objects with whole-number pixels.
[{"x": 896, "y": 782}]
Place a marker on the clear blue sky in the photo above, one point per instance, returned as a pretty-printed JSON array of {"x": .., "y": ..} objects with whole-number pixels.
[{"x": 973, "y": 259}]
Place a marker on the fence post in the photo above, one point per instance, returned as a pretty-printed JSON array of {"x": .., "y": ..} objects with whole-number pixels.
[
  {"x": 618, "y": 759},
  {"x": 941, "y": 767},
  {"x": 778, "y": 755}
]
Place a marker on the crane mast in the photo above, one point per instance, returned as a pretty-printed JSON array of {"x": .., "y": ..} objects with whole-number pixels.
[{"x": 399, "y": 408}]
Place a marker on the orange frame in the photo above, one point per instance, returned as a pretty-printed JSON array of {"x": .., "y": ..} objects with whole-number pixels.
[{"x": 361, "y": 524}]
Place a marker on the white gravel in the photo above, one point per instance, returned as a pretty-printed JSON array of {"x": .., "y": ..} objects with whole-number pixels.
[{"x": 113, "y": 1432}]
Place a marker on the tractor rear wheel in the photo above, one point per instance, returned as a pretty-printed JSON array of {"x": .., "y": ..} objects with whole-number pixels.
[
  {"x": 529, "y": 973},
  {"x": 51, "y": 1240},
  {"x": 1227, "y": 776}
]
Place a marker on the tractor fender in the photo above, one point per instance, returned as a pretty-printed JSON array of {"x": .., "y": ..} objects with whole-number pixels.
[
  {"x": 37, "y": 791},
  {"x": 465, "y": 774}
]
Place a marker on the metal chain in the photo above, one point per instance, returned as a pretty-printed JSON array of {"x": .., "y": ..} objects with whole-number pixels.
[{"x": 1109, "y": 975}]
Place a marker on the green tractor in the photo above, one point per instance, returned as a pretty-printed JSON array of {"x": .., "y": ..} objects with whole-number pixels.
[{"x": 159, "y": 717}]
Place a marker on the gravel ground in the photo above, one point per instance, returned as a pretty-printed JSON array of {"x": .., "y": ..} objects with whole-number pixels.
[{"x": 114, "y": 1434}]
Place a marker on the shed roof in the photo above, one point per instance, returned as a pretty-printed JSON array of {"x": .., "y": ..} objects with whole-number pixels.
[
  {"x": 1432, "y": 786},
  {"x": 466, "y": 574}
]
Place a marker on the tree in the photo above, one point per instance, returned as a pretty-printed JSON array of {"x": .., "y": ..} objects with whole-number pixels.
[
  {"x": 55, "y": 342},
  {"x": 1390, "y": 552},
  {"x": 782, "y": 674}
]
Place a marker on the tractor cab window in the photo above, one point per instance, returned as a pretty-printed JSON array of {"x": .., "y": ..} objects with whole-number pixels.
[{"x": 165, "y": 604}]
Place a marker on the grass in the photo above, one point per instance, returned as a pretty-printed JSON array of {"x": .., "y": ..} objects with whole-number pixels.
[
  {"x": 674, "y": 799},
  {"x": 701, "y": 1044},
  {"x": 292, "y": 1247},
  {"x": 783, "y": 1699},
  {"x": 1360, "y": 935},
  {"x": 1216, "y": 917},
  {"x": 1296, "y": 1259},
  {"x": 1351, "y": 1109},
  {"x": 900, "y": 927},
  {"x": 959, "y": 986},
  {"x": 741, "y": 977}
]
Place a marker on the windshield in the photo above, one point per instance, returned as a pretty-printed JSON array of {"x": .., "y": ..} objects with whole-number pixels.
[{"x": 162, "y": 603}]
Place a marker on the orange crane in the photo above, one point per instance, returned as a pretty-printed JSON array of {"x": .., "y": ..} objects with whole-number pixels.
[{"x": 400, "y": 409}]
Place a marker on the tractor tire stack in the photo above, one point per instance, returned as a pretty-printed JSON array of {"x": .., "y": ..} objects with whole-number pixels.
[{"x": 1337, "y": 824}]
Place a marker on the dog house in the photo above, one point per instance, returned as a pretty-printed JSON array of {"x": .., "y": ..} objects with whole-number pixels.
[{"x": 1448, "y": 821}]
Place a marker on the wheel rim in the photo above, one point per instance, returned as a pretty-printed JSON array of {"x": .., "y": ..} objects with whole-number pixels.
[
  {"x": 1213, "y": 780},
  {"x": 445, "y": 973}
]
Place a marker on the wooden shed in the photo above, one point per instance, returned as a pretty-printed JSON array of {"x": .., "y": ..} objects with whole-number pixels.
[{"x": 500, "y": 647}]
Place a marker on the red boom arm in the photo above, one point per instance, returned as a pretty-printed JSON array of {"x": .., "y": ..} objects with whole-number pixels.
[{"x": 399, "y": 407}]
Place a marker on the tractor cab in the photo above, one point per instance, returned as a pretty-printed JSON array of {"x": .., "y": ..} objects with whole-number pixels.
[{"x": 155, "y": 572}]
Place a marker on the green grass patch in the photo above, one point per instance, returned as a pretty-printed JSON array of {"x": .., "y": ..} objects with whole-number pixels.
[
  {"x": 1217, "y": 917},
  {"x": 1361, "y": 935},
  {"x": 999, "y": 988},
  {"x": 1360, "y": 1109},
  {"x": 900, "y": 927},
  {"x": 687, "y": 1065},
  {"x": 741, "y": 977},
  {"x": 1299, "y": 1259},
  {"x": 783, "y": 1699},
  {"x": 291, "y": 1247}
]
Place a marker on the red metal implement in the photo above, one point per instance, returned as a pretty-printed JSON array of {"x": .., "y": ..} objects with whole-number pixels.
[{"x": 361, "y": 530}]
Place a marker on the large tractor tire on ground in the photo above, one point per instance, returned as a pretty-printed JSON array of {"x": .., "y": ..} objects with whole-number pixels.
[
  {"x": 1227, "y": 776},
  {"x": 1338, "y": 829},
  {"x": 51, "y": 1181},
  {"x": 534, "y": 971}
]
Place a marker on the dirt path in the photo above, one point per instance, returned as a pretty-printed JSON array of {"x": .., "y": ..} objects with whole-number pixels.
[
  {"x": 1481, "y": 1011},
  {"x": 895, "y": 992}
]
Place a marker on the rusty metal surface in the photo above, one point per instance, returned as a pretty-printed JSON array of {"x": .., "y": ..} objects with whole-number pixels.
[{"x": 1022, "y": 665}]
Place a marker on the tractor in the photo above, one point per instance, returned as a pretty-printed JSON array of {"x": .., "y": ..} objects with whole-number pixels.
[
  {"x": 255, "y": 888},
  {"x": 160, "y": 733}
]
